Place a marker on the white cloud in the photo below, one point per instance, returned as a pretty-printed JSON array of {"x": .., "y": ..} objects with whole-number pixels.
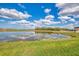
[
  {"x": 47, "y": 21},
  {"x": 71, "y": 9},
  {"x": 66, "y": 5},
  {"x": 71, "y": 26},
  {"x": 65, "y": 19},
  {"x": 21, "y": 22},
  {"x": 38, "y": 23},
  {"x": 21, "y": 5},
  {"x": 66, "y": 10},
  {"x": 72, "y": 20},
  {"x": 24, "y": 23},
  {"x": 42, "y": 23},
  {"x": 2, "y": 16},
  {"x": 47, "y": 10},
  {"x": 56, "y": 22},
  {"x": 49, "y": 17},
  {"x": 13, "y": 14},
  {"x": 60, "y": 5},
  {"x": 77, "y": 16},
  {"x": 77, "y": 22}
]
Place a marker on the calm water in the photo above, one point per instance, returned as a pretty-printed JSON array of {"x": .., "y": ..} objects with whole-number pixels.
[{"x": 8, "y": 36}]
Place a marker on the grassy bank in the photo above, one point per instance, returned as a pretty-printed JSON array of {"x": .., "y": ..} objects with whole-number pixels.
[
  {"x": 15, "y": 30},
  {"x": 68, "y": 47}
]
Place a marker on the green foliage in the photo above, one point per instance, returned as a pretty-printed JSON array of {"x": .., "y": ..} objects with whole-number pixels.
[
  {"x": 9, "y": 30},
  {"x": 53, "y": 29}
]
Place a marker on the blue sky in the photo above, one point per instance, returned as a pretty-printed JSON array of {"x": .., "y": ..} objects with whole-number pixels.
[{"x": 31, "y": 15}]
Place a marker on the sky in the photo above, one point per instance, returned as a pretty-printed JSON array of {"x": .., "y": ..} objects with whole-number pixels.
[{"x": 32, "y": 15}]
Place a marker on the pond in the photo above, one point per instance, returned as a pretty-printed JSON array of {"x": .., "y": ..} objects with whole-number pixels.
[{"x": 9, "y": 36}]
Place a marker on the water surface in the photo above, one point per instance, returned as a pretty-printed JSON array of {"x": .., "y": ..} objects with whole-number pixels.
[{"x": 8, "y": 36}]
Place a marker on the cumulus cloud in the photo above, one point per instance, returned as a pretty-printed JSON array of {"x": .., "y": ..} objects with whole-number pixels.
[
  {"x": 72, "y": 20},
  {"x": 65, "y": 19},
  {"x": 43, "y": 21},
  {"x": 70, "y": 9},
  {"x": 66, "y": 5},
  {"x": 76, "y": 16},
  {"x": 77, "y": 22},
  {"x": 48, "y": 20},
  {"x": 24, "y": 23},
  {"x": 49, "y": 17},
  {"x": 21, "y": 22},
  {"x": 13, "y": 14},
  {"x": 2, "y": 16},
  {"x": 59, "y": 5},
  {"x": 47, "y": 10},
  {"x": 71, "y": 26}
]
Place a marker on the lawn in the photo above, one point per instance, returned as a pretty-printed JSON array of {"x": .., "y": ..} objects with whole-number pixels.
[{"x": 50, "y": 47}]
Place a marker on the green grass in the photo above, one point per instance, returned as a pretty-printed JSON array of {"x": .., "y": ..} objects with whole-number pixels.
[{"x": 50, "y": 47}]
